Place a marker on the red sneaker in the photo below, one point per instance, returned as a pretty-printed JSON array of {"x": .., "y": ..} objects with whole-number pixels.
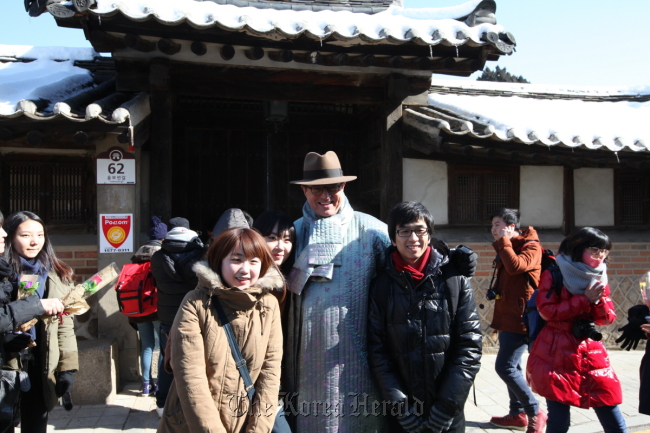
[
  {"x": 515, "y": 422},
  {"x": 537, "y": 423}
]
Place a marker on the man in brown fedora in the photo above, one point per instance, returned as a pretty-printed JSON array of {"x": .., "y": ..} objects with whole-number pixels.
[{"x": 337, "y": 253}]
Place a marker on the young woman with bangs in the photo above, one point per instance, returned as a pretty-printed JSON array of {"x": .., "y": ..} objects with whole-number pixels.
[
  {"x": 52, "y": 363},
  {"x": 568, "y": 364},
  {"x": 208, "y": 393}
]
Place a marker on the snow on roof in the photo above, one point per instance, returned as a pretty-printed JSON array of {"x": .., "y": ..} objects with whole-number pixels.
[
  {"x": 594, "y": 117},
  {"x": 394, "y": 25},
  {"x": 37, "y": 81}
]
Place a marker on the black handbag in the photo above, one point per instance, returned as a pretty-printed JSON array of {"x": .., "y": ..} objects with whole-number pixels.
[{"x": 280, "y": 425}]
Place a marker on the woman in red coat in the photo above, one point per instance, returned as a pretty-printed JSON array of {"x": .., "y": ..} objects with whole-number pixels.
[{"x": 568, "y": 365}]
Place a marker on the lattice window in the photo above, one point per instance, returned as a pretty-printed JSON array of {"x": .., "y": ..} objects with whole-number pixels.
[
  {"x": 58, "y": 191},
  {"x": 67, "y": 193},
  {"x": 24, "y": 188},
  {"x": 476, "y": 192},
  {"x": 632, "y": 198}
]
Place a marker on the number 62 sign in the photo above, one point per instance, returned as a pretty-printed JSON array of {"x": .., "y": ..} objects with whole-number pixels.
[{"x": 116, "y": 166}]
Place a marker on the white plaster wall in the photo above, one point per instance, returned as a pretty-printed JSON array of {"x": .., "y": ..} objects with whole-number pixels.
[
  {"x": 426, "y": 181},
  {"x": 541, "y": 196},
  {"x": 594, "y": 196}
]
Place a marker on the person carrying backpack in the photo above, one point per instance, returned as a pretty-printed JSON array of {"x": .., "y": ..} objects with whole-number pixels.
[
  {"x": 518, "y": 261},
  {"x": 424, "y": 334},
  {"x": 149, "y": 325},
  {"x": 172, "y": 268}
]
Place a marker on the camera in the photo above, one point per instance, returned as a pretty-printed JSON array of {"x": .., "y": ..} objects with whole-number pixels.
[
  {"x": 585, "y": 329},
  {"x": 492, "y": 294}
]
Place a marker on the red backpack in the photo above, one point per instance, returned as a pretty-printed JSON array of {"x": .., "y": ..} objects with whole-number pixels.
[{"x": 136, "y": 290}]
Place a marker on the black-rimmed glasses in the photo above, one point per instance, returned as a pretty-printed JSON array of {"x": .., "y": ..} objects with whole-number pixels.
[
  {"x": 597, "y": 251},
  {"x": 405, "y": 233}
]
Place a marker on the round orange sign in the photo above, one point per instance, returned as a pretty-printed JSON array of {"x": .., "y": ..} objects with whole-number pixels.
[{"x": 116, "y": 235}]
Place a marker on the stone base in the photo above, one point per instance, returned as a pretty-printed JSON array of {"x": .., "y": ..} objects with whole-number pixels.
[{"x": 97, "y": 380}]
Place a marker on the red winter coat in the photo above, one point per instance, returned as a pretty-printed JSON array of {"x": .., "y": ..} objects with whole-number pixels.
[{"x": 561, "y": 367}]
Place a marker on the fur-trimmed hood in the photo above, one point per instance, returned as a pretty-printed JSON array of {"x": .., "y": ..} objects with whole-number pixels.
[{"x": 211, "y": 282}]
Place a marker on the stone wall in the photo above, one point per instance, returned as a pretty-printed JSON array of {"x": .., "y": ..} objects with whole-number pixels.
[{"x": 628, "y": 261}]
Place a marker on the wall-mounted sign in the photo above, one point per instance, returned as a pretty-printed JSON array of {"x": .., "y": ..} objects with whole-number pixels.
[
  {"x": 116, "y": 234},
  {"x": 115, "y": 166}
]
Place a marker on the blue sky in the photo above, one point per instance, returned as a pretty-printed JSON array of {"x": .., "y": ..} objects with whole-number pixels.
[{"x": 569, "y": 42}]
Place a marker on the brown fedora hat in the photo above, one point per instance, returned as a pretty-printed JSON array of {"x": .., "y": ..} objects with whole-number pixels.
[{"x": 322, "y": 170}]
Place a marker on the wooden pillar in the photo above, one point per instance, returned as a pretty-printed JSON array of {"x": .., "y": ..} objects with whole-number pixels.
[
  {"x": 391, "y": 179},
  {"x": 568, "y": 220},
  {"x": 161, "y": 139}
]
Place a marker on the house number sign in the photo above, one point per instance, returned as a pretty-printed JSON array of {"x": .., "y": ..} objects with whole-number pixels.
[{"x": 115, "y": 167}]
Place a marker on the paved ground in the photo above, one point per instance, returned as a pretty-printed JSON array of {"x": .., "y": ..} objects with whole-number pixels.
[{"x": 136, "y": 414}]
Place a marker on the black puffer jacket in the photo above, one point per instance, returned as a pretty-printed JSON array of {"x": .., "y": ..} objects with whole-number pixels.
[
  {"x": 172, "y": 268},
  {"x": 415, "y": 349}
]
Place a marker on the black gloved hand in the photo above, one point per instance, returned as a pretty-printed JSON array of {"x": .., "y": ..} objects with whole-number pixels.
[
  {"x": 6, "y": 288},
  {"x": 5, "y": 268},
  {"x": 464, "y": 259},
  {"x": 64, "y": 381},
  {"x": 16, "y": 342},
  {"x": 632, "y": 332}
]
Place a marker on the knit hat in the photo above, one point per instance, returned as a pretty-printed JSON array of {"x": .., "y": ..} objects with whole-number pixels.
[
  {"x": 158, "y": 229},
  {"x": 230, "y": 219},
  {"x": 179, "y": 222},
  {"x": 181, "y": 234}
]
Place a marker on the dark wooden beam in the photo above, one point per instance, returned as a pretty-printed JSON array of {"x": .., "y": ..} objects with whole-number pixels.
[
  {"x": 568, "y": 220},
  {"x": 169, "y": 47},
  {"x": 161, "y": 140},
  {"x": 199, "y": 48},
  {"x": 37, "y": 138},
  {"x": 254, "y": 53},
  {"x": 6, "y": 134},
  {"x": 227, "y": 52},
  {"x": 391, "y": 178},
  {"x": 363, "y": 60},
  {"x": 282, "y": 85},
  {"x": 137, "y": 43},
  {"x": 284, "y": 56},
  {"x": 102, "y": 42}
]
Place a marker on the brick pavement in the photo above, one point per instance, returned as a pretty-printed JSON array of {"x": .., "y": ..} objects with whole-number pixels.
[{"x": 136, "y": 414}]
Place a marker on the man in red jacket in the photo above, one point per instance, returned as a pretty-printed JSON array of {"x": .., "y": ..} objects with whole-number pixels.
[{"x": 518, "y": 261}]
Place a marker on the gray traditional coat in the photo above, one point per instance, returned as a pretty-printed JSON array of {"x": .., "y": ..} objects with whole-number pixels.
[{"x": 336, "y": 259}]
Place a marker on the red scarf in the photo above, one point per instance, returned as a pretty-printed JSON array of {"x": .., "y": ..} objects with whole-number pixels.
[{"x": 417, "y": 272}]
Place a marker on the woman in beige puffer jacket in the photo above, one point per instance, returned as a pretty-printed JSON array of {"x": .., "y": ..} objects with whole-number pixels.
[{"x": 208, "y": 393}]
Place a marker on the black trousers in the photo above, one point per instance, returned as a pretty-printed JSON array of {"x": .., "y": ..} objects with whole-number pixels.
[{"x": 33, "y": 412}]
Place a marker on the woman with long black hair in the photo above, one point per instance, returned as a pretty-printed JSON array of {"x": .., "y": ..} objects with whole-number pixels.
[
  {"x": 568, "y": 365},
  {"x": 13, "y": 314},
  {"x": 52, "y": 363}
]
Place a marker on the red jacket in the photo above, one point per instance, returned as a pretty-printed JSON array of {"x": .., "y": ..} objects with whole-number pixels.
[
  {"x": 561, "y": 367},
  {"x": 521, "y": 260}
]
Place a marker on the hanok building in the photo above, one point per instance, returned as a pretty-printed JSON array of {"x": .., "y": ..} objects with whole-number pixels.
[
  {"x": 566, "y": 157},
  {"x": 218, "y": 102}
]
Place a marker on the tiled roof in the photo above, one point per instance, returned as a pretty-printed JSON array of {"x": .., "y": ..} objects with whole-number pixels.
[
  {"x": 592, "y": 118},
  {"x": 335, "y": 25},
  {"x": 47, "y": 84}
]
